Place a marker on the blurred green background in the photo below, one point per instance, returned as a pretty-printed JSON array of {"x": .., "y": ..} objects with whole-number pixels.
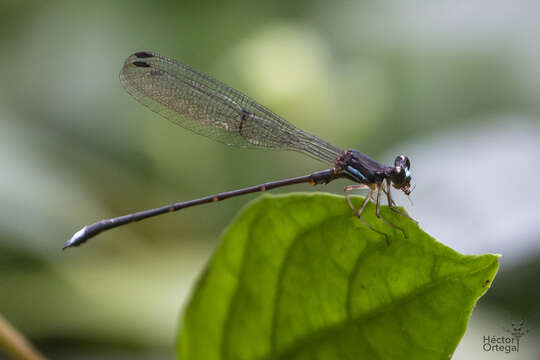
[{"x": 455, "y": 85}]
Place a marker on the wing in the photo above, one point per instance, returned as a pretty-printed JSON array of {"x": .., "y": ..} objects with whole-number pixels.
[{"x": 210, "y": 108}]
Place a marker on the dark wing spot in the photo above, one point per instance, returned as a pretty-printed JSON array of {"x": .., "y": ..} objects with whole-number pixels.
[
  {"x": 143, "y": 55},
  {"x": 141, "y": 64},
  {"x": 245, "y": 115}
]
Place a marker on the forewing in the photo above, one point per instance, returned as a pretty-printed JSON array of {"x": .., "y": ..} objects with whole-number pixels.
[{"x": 210, "y": 108}]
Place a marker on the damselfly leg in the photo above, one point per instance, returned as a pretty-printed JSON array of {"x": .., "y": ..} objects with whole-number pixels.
[
  {"x": 358, "y": 212},
  {"x": 392, "y": 204},
  {"x": 350, "y": 188},
  {"x": 376, "y": 198},
  {"x": 381, "y": 187}
]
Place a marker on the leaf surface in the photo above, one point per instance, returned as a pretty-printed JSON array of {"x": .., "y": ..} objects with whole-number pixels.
[{"x": 300, "y": 277}]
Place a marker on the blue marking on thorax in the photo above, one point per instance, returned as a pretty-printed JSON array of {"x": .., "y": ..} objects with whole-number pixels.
[{"x": 355, "y": 173}]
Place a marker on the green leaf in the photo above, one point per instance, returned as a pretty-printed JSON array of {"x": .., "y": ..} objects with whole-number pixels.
[{"x": 300, "y": 277}]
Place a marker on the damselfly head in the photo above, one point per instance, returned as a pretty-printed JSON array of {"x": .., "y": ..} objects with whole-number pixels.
[{"x": 401, "y": 174}]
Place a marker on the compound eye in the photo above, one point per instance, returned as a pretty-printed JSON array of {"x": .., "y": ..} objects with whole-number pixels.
[
  {"x": 407, "y": 163},
  {"x": 407, "y": 167},
  {"x": 402, "y": 161}
]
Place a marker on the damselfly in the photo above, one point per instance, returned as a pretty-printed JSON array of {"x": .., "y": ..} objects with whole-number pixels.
[{"x": 208, "y": 107}]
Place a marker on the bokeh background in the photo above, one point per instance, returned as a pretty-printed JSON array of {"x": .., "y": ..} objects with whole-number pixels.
[{"x": 453, "y": 84}]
